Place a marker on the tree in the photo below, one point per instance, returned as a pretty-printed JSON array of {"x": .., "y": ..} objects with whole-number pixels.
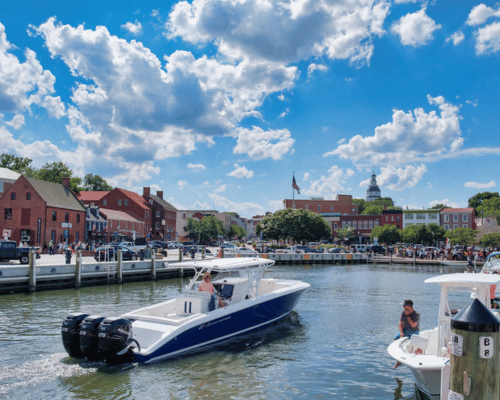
[
  {"x": 490, "y": 240},
  {"x": 205, "y": 229},
  {"x": 410, "y": 234},
  {"x": 476, "y": 200},
  {"x": 295, "y": 224},
  {"x": 18, "y": 164},
  {"x": 361, "y": 204},
  {"x": 462, "y": 236},
  {"x": 372, "y": 209},
  {"x": 55, "y": 172},
  {"x": 438, "y": 206},
  {"x": 437, "y": 232},
  {"x": 490, "y": 208},
  {"x": 345, "y": 232},
  {"x": 95, "y": 183},
  {"x": 388, "y": 234},
  {"x": 236, "y": 230}
]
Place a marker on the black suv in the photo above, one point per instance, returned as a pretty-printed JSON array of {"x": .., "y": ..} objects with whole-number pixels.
[
  {"x": 108, "y": 253},
  {"x": 376, "y": 249}
]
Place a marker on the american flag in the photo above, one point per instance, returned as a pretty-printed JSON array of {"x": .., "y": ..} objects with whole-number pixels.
[{"x": 295, "y": 186}]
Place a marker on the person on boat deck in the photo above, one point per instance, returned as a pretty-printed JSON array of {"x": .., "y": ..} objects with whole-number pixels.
[
  {"x": 409, "y": 323},
  {"x": 206, "y": 286}
]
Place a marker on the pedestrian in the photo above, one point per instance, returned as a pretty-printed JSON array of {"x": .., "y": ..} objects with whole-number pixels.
[
  {"x": 409, "y": 323},
  {"x": 45, "y": 248},
  {"x": 51, "y": 247}
]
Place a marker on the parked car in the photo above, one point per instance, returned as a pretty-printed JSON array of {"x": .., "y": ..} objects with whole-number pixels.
[
  {"x": 197, "y": 249},
  {"x": 109, "y": 252},
  {"x": 10, "y": 251},
  {"x": 335, "y": 250},
  {"x": 245, "y": 250},
  {"x": 377, "y": 249}
]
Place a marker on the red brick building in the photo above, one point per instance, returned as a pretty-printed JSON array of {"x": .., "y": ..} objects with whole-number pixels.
[
  {"x": 452, "y": 218},
  {"x": 343, "y": 205},
  {"x": 36, "y": 211},
  {"x": 120, "y": 225},
  {"x": 163, "y": 216}
]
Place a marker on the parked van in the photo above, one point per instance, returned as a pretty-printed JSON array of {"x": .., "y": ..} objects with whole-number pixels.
[{"x": 359, "y": 248}]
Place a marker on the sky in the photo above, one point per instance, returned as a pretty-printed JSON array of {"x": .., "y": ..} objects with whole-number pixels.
[{"x": 220, "y": 103}]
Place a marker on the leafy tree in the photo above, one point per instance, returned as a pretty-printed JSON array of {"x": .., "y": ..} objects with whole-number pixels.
[
  {"x": 437, "y": 232},
  {"x": 410, "y": 234},
  {"x": 361, "y": 204},
  {"x": 438, "y": 206},
  {"x": 234, "y": 214},
  {"x": 14, "y": 163},
  {"x": 462, "y": 236},
  {"x": 236, "y": 230},
  {"x": 476, "y": 200},
  {"x": 490, "y": 208},
  {"x": 345, "y": 232},
  {"x": 95, "y": 183},
  {"x": 295, "y": 224},
  {"x": 490, "y": 240},
  {"x": 424, "y": 234},
  {"x": 388, "y": 234},
  {"x": 372, "y": 209},
  {"x": 55, "y": 172},
  {"x": 202, "y": 230}
]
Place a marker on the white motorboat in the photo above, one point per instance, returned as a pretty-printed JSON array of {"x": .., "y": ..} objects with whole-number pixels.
[
  {"x": 492, "y": 263},
  {"x": 427, "y": 353},
  {"x": 184, "y": 324}
]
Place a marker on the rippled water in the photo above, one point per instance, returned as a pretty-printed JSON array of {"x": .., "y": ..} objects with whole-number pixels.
[{"x": 333, "y": 346}]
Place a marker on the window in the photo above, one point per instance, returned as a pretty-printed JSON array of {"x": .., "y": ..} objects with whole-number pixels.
[
  {"x": 433, "y": 216},
  {"x": 307, "y": 207},
  {"x": 408, "y": 216},
  {"x": 392, "y": 218},
  {"x": 354, "y": 224},
  {"x": 334, "y": 225},
  {"x": 77, "y": 218},
  {"x": 66, "y": 217},
  {"x": 455, "y": 226},
  {"x": 77, "y": 237},
  {"x": 447, "y": 227},
  {"x": 343, "y": 224},
  {"x": 105, "y": 202},
  {"x": 331, "y": 208},
  {"x": 157, "y": 225},
  {"x": 397, "y": 218},
  {"x": 8, "y": 213},
  {"x": 420, "y": 216},
  {"x": 446, "y": 218},
  {"x": 365, "y": 224},
  {"x": 455, "y": 217},
  {"x": 38, "y": 230},
  {"x": 353, "y": 210},
  {"x": 12, "y": 196},
  {"x": 54, "y": 215},
  {"x": 319, "y": 208},
  {"x": 376, "y": 222},
  {"x": 386, "y": 218},
  {"x": 371, "y": 224},
  {"x": 464, "y": 218},
  {"x": 125, "y": 202},
  {"x": 119, "y": 202},
  {"x": 28, "y": 197},
  {"x": 158, "y": 213},
  {"x": 465, "y": 226},
  {"x": 53, "y": 237}
]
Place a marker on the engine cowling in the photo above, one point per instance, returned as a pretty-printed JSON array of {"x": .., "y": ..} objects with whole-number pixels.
[
  {"x": 89, "y": 342},
  {"x": 70, "y": 332},
  {"x": 115, "y": 340}
]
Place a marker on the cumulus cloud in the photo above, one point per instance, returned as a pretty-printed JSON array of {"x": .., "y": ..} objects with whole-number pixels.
[
  {"x": 488, "y": 39},
  {"x": 241, "y": 172},
  {"x": 481, "y": 13},
  {"x": 21, "y": 84},
  {"x": 245, "y": 208},
  {"x": 282, "y": 32},
  {"x": 446, "y": 202},
  {"x": 220, "y": 189},
  {"x": 411, "y": 136},
  {"x": 134, "y": 28},
  {"x": 456, "y": 38},
  {"x": 401, "y": 178},
  {"x": 17, "y": 121},
  {"x": 306, "y": 176},
  {"x": 415, "y": 29},
  {"x": 182, "y": 184},
  {"x": 275, "y": 205},
  {"x": 313, "y": 67},
  {"x": 329, "y": 186},
  {"x": 196, "y": 167},
  {"x": 479, "y": 185},
  {"x": 260, "y": 144}
]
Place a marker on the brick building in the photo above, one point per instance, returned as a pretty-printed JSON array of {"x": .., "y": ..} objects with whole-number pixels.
[
  {"x": 120, "y": 226},
  {"x": 452, "y": 218},
  {"x": 342, "y": 204},
  {"x": 36, "y": 211},
  {"x": 361, "y": 225},
  {"x": 163, "y": 216}
]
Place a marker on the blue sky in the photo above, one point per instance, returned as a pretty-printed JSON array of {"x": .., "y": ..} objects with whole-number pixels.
[{"x": 217, "y": 103}]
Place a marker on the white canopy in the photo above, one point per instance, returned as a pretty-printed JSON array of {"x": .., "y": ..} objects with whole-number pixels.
[
  {"x": 465, "y": 278},
  {"x": 224, "y": 264}
]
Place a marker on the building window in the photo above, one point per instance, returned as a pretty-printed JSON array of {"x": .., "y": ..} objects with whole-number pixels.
[
  {"x": 12, "y": 196},
  {"x": 105, "y": 202},
  {"x": 353, "y": 210},
  {"x": 319, "y": 208},
  {"x": 38, "y": 230},
  {"x": 371, "y": 224},
  {"x": 28, "y": 197},
  {"x": 446, "y": 218},
  {"x": 354, "y": 224},
  {"x": 157, "y": 225},
  {"x": 54, "y": 215},
  {"x": 77, "y": 237},
  {"x": 455, "y": 217},
  {"x": 125, "y": 202},
  {"x": 392, "y": 218},
  {"x": 334, "y": 225},
  {"x": 433, "y": 216},
  {"x": 77, "y": 218},
  {"x": 420, "y": 216},
  {"x": 365, "y": 224},
  {"x": 66, "y": 217},
  {"x": 447, "y": 227},
  {"x": 343, "y": 224},
  {"x": 331, "y": 208},
  {"x": 455, "y": 226},
  {"x": 465, "y": 226},
  {"x": 8, "y": 213},
  {"x": 408, "y": 216},
  {"x": 119, "y": 202},
  {"x": 307, "y": 207},
  {"x": 464, "y": 218},
  {"x": 157, "y": 213},
  {"x": 397, "y": 218},
  {"x": 376, "y": 222},
  {"x": 53, "y": 237}
]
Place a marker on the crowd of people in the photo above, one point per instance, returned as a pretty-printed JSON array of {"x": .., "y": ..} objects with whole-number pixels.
[
  {"x": 59, "y": 248},
  {"x": 443, "y": 253}
]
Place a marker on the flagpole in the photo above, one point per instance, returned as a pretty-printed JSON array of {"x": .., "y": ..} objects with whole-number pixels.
[{"x": 293, "y": 192}]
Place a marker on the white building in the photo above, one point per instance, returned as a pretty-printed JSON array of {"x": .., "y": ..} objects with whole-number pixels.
[
  {"x": 7, "y": 178},
  {"x": 420, "y": 217}
]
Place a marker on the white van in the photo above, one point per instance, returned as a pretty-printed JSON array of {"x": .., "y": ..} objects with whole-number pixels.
[{"x": 360, "y": 248}]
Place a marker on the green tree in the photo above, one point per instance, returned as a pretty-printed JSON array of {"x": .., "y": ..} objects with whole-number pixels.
[
  {"x": 18, "y": 164},
  {"x": 298, "y": 225},
  {"x": 345, "y": 232},
  {"x": 424, "y": 234},
  {"x": 490, "y": 240},
  {"x": 95, "y": 183},
  {"x": 388, "y": 234},
  {"x": 372, "y": 209},
  {"x": 55, "y": 172},
  {"x": 476, "y": 200},
  {"x": 437, "y": 232},
  {"x": 361, "y": 204},
  {"x": 439, "y": 206},
  {"x": 205, "y": 229},
  {"x": 490, "y": 208},
  {"x": 236, "y": 230},
  {"x": 410, "y": 234},
  {"x": 462, "y": 236}
]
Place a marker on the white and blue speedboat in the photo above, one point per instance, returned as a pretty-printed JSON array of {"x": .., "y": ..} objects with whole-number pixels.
[{"x": 185, "y": 324}]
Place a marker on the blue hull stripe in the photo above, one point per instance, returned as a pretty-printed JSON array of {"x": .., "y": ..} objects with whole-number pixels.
[{"x": 225, "y": 327}]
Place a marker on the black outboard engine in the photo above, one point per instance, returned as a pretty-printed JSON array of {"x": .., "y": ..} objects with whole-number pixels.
[
  {"x": 70, "y": 332},
  {"x": 89, "y": 337},
  {"x": 115, "y": 340}
]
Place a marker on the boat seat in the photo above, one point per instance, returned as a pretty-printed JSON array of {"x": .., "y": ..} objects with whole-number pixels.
[{"x": 418, "y": 342}]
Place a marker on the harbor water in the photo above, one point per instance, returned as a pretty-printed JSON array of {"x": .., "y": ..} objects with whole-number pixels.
[{"x": 333, "y": 346}]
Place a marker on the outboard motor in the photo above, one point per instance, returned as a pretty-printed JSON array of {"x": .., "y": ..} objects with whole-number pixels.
[
  {"x": 89, "y": 337},
  {"x": 115, "y": 340},
  {"x": 70, "y": 332}
]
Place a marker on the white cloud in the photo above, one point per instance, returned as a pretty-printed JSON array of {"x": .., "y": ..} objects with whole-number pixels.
[
  {"x": 241, "y": 172},
  {"x": 220, "y": 189},
  {"x": 415, "y": 29},
  {"x": 134, "y": 28},
  {"x": 260, "y": 144},
  {"x": 330, "y": 185},
  {"x": 54, "y": 106},
  {"x": 21, "y": 84},
  {"x": 456, "y": 38},
  {"x": 17, "y": 121},
  {"x": 182, "y": 184},
  {"x": 412, "y": 136},
  {"x": 472, "y": 103},
  {"x": 488, "y": 39},
  {"x": 155, "y": 13},
  {"x": 446, "y": 202},
  {"x": 196, "y": 167},
  {"x": 306, "y": 176},
  {"x": 274, "y": 205},
  {"x": 313, "y": 67},
  {"x": 401, "y": 178},
  {"x": 282, "y": 32},
  {"x": 479, "y": 185},
  {"x": 480, "y": 14},
  {"x": 245, "y": 209},
  {"x": 177, "y": 205}
]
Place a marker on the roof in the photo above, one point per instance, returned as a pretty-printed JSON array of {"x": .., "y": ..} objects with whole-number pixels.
[
  {"x": 165, "y": 204},
  {"x": 136, "y": 197},
  {"x": 117, "y": 215},
  {"x": 93, "y": 196},
  {"x": 457, "y": 210},
  {"x": 56, "y": 195},
  {"x": 224, "y": 264},
  {"x": 7, "y": 174}
]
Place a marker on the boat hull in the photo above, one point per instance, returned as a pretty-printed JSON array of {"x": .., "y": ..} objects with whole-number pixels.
[{"x": 223, "y": 324}]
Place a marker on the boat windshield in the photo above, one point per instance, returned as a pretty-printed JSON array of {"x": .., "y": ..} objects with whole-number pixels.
[
  {"x": 231, "y": 274},
  {"x": 492, "y": 263}
]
